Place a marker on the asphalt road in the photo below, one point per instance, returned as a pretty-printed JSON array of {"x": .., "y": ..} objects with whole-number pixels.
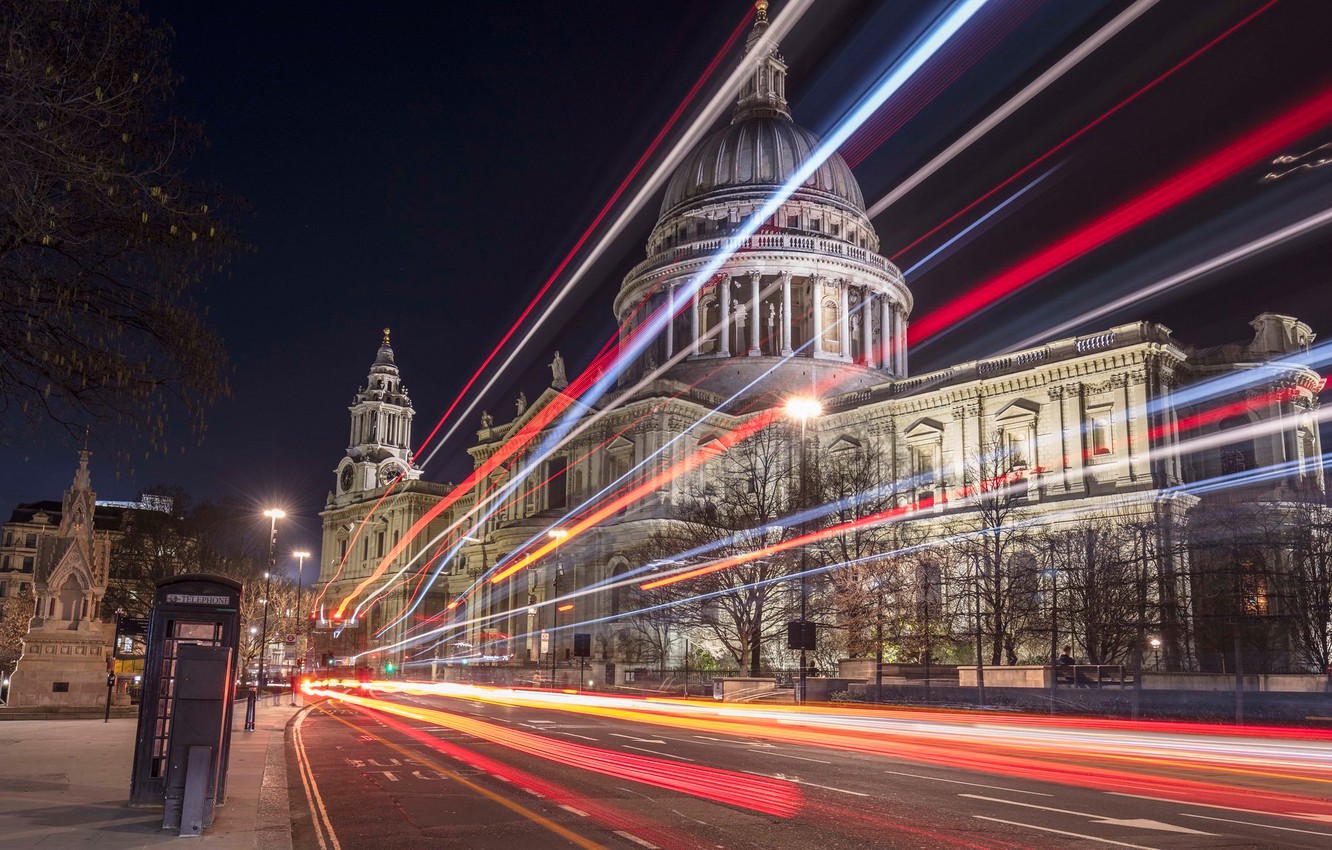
[{"x": 459, "y": 772}]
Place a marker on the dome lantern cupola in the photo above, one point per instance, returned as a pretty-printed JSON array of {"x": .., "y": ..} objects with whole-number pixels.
[
  {"x": 807, "y": 288},
  {"x": 763, "y": 95}
]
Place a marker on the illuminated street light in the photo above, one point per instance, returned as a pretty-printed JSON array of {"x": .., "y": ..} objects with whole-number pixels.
[
  {"x": 558, "y": 535},
  {"x": 802, "y": 409},
  {"x": 300, "y": 570},
  {"x": 273, "y": 514}
]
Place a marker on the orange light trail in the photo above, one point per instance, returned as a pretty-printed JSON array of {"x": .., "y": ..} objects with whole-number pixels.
[
  {"x": 758, "y": 793},
  {"x": 529, "y": 431},
  {"x": 1064, "y": 751},
  {"x": 710, "y": 451}
]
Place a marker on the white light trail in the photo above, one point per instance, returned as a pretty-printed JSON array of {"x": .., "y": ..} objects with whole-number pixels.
[
  {"x": 1035, "y": 87},
  {"x": 1243, "y": 252}
]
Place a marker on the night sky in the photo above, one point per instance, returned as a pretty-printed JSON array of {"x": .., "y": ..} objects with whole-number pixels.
[{"x": 425, "y": 166}]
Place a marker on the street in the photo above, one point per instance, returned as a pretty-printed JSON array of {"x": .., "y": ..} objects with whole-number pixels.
[{"x": 491, "y": 768}]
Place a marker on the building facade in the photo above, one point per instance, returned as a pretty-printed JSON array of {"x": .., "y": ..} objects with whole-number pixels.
[
  {"x": 1097, "y": 424},
  {"x": 360, "y": 526}
]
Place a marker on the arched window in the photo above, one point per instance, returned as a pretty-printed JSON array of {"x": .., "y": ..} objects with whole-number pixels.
[
  {"x": 618, "y": 591},
  {"x": 1238, "y": 456},
  {"x": 832, "y": 328}
]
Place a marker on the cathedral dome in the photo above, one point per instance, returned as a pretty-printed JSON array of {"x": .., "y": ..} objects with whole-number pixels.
[{"x": 757, "y": 153}]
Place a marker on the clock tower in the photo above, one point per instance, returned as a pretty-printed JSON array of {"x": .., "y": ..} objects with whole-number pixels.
[
  {"x": 379, "y": 448},
  {"x": 356, "y": 620}
]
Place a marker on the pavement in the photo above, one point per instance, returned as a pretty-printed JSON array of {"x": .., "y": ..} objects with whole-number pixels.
[{"x": 65, "y": 784}]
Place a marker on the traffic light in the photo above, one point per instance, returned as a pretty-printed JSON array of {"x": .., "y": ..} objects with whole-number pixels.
[
  {"x": 388, "y": 668},
  {"x": 330, "y": 661}
]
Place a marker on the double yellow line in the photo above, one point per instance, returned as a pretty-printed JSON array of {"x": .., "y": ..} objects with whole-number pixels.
[{"x": 324, "y": 827}]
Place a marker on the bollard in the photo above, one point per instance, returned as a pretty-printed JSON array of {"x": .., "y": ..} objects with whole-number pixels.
[{"x": 249, "y": 710}]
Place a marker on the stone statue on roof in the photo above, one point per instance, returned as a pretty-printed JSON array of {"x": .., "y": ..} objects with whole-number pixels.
[{"x": 558, "y": 379}]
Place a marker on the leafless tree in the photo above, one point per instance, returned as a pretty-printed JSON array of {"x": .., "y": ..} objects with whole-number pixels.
[
  {"x": 730, "y": 510},
  {"x": 104, "y": 243},
  {"x": 993, "y": 556}
]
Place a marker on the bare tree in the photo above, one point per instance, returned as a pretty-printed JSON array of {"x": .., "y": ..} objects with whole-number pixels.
[
  {"x": 104, "y": 243},
  {"x": 1310, "y": 581},
  {"x": 991, "y": 543},
  {"x": 1092, "y": 582},
  {"x": 732, "y": 509}
]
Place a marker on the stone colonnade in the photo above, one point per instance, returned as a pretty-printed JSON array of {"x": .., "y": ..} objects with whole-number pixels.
[{"x": 761, "y": 314}]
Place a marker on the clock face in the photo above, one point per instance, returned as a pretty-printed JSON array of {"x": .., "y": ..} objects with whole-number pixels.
[
  {"x": 348, "y": 476},
  {"x": 388, "y": 472}
]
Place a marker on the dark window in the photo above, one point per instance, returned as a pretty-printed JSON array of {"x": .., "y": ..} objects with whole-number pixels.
[
  {"x": 557, "y": 488},
  {"x": 379, "y": 545},
  {"x": 27, "y": 564},
  {"x": 31, "y": 541},
  {"x": 60, "y": 687}
]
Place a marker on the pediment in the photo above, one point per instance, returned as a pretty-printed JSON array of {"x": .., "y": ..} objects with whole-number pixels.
[
  {"x": 923, "y": 428},
  {"x": 620, "y": 444},
  {"x": 844, "y": 444},
  {"x": 1021, "y": 408}
]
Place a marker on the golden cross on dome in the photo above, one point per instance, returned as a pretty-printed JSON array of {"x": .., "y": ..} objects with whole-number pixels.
[
  {"x": 761, "y": 12},
  {"x": 386, "y": 336}
]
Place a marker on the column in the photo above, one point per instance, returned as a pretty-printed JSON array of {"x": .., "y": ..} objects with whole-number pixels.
[
  {"x": 693, "y": 324},
  {"x": 670, "y": 321},
  {"x": 754, "y": 317},
  {"x": 816, "y": 310},
  {"x": 901, "y": 343},
  {"x": 786, "y": 314},
  {"x": 844, "y": 316},
  {"x": 867, "y": 327},
  {"x": 724, "y": 325},
  {"x": 886, "y": 335}
]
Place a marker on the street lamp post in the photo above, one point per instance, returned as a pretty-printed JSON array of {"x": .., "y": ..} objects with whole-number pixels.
[
  {"x": 300, "y": 589},
  {"x": 1054, "y": 628},
  {"x": 802, "y": 409},
  {"x": 273, "y": 514},
  {"x": 558, "y": 535}
]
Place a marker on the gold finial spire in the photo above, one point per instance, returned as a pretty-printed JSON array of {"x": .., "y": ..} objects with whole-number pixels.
[
  {"x": 386, "y": 336},
  {"x": 761, "y": 12}
]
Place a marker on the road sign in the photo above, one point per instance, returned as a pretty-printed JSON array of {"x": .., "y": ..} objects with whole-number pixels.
[{"x": 291, "y": 638}]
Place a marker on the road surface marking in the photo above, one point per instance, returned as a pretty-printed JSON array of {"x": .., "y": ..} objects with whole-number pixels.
[
  {"x": 655, "y": 752},
  {"x": 629, "y": 836},
  {"x": 1260, "y": 825},
  {"x": 571, "y": 810},
  {"x": 318, "y": 814},
  {"x": 788, "y": 756},
  {"x": 1063, "y": 832},
  {"x": 639, "y": 740},
  {"x": 829, "y": 788},
  {"x": 1132, "y": 823},
  {"x": 574, "y": 735},
  {"x": 799, "y": 781},
  {"x": 511, "y": 805},
  {"x": 960, "y": 782},
  {"x": 1298, "y": 815}
]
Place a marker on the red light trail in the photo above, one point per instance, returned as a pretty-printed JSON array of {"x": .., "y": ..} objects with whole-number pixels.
[
  {"x": 596, "y": 222},
  {"x": 744, "y": 790},
  {"x": 1292, "y": 125},
  {"x": 1087, "y": 127}
]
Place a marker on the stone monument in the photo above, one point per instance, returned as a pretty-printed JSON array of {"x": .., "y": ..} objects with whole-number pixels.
[{"x": 64, "y": 661}]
